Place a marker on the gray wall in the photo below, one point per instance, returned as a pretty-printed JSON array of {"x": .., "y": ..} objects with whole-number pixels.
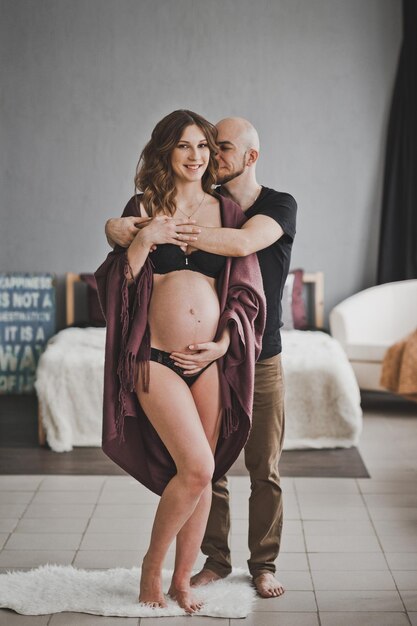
[{"x": 84, "y": 82}]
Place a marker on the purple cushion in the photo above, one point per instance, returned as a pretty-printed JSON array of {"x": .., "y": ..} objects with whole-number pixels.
[
  {"x": 299, "y": 312},
  {"x": 294, "y": 313}
]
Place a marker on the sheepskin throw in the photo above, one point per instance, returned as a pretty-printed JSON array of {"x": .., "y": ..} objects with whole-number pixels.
[{"x": 56, "y": 588}]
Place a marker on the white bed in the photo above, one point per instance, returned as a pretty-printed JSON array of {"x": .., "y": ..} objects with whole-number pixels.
[{"x": 322, "y": 400}]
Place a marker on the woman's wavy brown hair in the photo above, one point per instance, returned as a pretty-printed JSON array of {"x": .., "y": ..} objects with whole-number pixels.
[{"x": 154, "y": 176}]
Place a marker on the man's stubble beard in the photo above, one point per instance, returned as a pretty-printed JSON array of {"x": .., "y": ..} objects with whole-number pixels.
[{"x": 222, "y": 180}]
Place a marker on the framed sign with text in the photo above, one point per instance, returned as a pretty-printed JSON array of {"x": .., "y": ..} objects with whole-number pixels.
[{"x": 27, "y": 321}]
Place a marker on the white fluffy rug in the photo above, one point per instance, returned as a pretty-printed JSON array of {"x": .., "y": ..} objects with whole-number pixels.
[{"x": 56, "y": 588}]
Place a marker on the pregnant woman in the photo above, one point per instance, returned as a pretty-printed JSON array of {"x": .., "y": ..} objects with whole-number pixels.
[{"x": 183, "y": 333}]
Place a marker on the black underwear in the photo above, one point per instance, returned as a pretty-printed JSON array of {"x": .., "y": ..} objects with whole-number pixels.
[{"x": 159, "y": 356}]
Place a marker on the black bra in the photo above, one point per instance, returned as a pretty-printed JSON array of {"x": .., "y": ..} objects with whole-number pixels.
[{"x": 169, "y": 258}]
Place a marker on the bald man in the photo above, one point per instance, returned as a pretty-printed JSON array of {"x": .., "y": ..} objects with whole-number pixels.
[{"x": 269, "y": 231}]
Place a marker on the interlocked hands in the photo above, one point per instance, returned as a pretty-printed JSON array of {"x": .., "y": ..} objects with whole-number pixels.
[{"x": 157, "y": 230}]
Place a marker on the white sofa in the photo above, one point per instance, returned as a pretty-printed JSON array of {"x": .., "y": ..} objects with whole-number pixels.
[{"x": 371, "y": 321}]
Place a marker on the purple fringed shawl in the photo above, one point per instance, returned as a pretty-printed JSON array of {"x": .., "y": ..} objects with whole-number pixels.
[{"x": 129, "y": 439}]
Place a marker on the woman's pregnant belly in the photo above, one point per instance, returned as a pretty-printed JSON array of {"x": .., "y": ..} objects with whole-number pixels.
[{"x": 184, "y": 310}]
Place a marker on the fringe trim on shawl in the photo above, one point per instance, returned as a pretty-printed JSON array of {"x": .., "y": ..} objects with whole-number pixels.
[
  {"x": 144, "y": 356},
  {"x": 130, "y": 362},
  {"x": 230, "y": 416},
  {"x": 124, "y": 319},
  {"x": 230, "y": 422}
]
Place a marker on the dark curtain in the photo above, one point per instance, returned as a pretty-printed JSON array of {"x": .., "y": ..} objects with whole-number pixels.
[{"x": 398, "y": 239}]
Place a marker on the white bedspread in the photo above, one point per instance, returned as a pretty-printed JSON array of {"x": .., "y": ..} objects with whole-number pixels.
[
  {"x": 69, "y": 384},
  {"x": 322, "y": 397}
]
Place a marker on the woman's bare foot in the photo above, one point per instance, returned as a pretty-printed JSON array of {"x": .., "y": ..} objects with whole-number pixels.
[
  {"x": 182, "y": 594},
  {"x": 204, "y": 577},
  {"x": 151, "y": 592},
  {"x": 267, "y": 585}
]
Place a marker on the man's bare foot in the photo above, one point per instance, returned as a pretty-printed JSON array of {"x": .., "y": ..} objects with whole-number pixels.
[
  {"x": 151, "y": 592},
  {"x": 204, "y": 577},
  {"x": 182, "y": 594},
  {"x": 267, "y": 585}
]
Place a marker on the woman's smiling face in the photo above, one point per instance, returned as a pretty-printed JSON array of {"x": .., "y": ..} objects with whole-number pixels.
[{"x": 190, "y": 157}]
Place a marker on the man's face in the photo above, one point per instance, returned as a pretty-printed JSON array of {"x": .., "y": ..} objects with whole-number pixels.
[{"x": 231, "y": 155}]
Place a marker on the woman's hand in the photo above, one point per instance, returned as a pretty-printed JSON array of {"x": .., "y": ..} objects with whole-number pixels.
[{"x": 202, "y": 354}]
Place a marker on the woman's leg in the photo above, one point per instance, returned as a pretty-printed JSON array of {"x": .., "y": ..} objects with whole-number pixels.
[
  {"x": 171, "y": 409},
  {"x": 206, "y": 394}
]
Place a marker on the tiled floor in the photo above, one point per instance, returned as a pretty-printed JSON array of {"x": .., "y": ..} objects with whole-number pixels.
[{"x": 349, "y": 551}]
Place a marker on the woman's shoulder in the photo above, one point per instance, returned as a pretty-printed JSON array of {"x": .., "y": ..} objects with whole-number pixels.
[{"x": 133, "y": 207}]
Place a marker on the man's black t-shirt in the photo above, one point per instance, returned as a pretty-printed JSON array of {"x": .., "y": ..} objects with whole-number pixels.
[{"x": 274, "y": 261}]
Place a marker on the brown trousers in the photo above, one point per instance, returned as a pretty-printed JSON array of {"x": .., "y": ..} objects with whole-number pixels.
[{"x": 262, "y": 453}]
